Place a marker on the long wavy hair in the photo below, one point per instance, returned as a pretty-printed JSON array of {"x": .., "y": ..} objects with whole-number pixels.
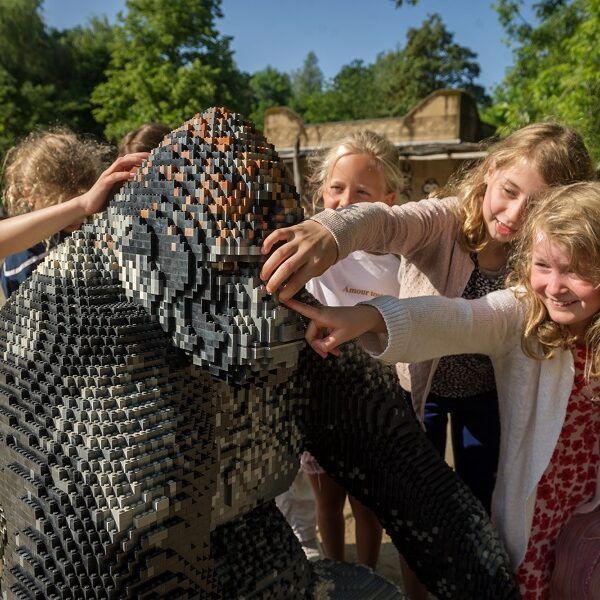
[
  {"x": 49, "y": 167},
  {"x": 568, "y": 216},
  {"x": 557, "y": 152}
]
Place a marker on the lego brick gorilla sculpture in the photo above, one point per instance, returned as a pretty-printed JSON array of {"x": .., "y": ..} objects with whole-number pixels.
[{"x": 154, "y": 399}]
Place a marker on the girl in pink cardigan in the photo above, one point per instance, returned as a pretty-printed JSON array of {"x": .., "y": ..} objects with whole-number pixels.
[
  {"x": 455, "y": 246},
  {"x": 543, "y": 336}
]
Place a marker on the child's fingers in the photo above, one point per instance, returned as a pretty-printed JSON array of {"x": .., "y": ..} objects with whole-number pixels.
[
  {"x": 279, "y": 257},
  {"x": 295, "y": 283},
  {"x": 125, "y": 163},
  {"x": 279, "y": 235},
  {"x": 335, "y": 352},
  {"x": 118, "y": 177},
  {"x": 331, "y": 342},
  {"x": 315, "y": 346},
  {"x": 312, "y": 332},
  {"x": 285, "y": 269},
  {"x": 310, "y": 312},
  {"x": 312, "y": 336}
]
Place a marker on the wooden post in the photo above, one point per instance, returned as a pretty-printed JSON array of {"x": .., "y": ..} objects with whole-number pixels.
[{"x": 296, "y": 166}]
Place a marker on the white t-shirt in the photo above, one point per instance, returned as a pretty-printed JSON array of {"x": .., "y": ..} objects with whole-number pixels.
[{"x": 360, "y": 276}]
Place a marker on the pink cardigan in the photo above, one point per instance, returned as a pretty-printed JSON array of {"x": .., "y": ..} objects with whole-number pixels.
[{"x": 425, "y": 233}]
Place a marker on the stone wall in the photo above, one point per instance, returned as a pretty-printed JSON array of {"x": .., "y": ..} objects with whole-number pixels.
[{"x": 434, "y": 138}]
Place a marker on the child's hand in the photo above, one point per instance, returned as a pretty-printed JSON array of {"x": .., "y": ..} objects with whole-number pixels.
[
  {"x": 309, "y": 250},
  {"x": 330, "y": 327},
  {"x": 123, "y": 169},
  {"x": 22, "y": 232}
]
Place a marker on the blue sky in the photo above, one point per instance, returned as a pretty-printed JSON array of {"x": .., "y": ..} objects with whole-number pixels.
[{"x": 281, "y": 32}]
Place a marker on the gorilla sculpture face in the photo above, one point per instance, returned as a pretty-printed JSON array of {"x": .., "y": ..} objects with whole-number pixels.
[{"x": 187, "y": 235}]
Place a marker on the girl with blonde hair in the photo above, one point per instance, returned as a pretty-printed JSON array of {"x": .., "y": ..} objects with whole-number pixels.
[
  {"x": 454, "y": 245},
  {"x": 543, "y": 337},
  {"x": 361, "y": 168},
  {"x": 51, "y": 181}
]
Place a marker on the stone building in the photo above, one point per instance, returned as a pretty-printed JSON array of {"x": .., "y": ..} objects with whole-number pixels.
[{"x": 433, "y": 139}]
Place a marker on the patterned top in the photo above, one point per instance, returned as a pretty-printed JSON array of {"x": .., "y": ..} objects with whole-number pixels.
[
  {"x": 568, "y": 482},
  {"x": 466, "y": 375}
]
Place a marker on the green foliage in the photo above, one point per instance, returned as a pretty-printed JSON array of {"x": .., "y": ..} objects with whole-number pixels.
[
  {"x": 168, "y": 61},
  {"x": 268, "y": 87},
  {"x": 431, "y": 60},
  {"x": 307, "y": 84},
  {"x": 556, "y": 72},
  {"x": 350, "y": 95},
  {"x": 85, "y": 51},
  {"x": 46, "y": 75}
]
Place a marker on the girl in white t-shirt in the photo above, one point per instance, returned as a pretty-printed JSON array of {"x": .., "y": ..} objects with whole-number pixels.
[{"x": 364, "y": 167}]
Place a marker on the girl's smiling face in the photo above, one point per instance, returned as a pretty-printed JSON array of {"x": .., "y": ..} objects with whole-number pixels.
[
  {"x": 508, "y": 191},
  {"x": 355, "y": 178},
  {"x": 570, "y": 299}
]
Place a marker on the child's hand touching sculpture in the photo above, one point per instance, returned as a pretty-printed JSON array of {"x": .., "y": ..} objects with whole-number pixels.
[
  {"x": 330, "y": 327},
  {"x": 307, "y": 251},
  {"x": 110, "y": 180}
]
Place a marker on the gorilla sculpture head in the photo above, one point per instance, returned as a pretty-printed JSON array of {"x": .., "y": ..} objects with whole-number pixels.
[
  {"x": 187, "y": 234},
  {"x": 152, "y": 398}
]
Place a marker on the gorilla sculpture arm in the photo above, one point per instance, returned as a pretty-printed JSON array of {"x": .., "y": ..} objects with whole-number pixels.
[{"x": 366, "y": 437}]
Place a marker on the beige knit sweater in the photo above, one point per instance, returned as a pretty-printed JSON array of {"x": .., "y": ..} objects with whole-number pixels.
[{"x": 425, "y": 234}]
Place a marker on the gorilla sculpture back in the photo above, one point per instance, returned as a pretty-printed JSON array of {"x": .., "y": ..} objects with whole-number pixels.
[{"x": 154, "y": 399}]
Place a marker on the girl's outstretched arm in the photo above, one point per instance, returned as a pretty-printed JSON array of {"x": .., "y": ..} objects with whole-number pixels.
[
  {"x": 417, "y": 329},
  {"x": 310, "y": 248},
  {"x": 24, "y": 231},
  {"x": 330, "y": 327}
]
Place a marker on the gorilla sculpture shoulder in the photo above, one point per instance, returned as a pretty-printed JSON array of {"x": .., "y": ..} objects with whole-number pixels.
[{"x": 154, "y": 399}]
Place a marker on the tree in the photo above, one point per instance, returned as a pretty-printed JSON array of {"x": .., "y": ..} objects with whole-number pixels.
[
  {"x": 23, "y": 85},
  {"x": 431, "y": 60},
  {"x": 268, "y": 87},
  {"x": 307, "y": 83},
  {"x": 168, "y": 61},
  {"x": 46, "y": 75},
  {"x": 556, "y": 70},
  {"x": 86, "y": 54},
  {"x": 350, "y": 95}
]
